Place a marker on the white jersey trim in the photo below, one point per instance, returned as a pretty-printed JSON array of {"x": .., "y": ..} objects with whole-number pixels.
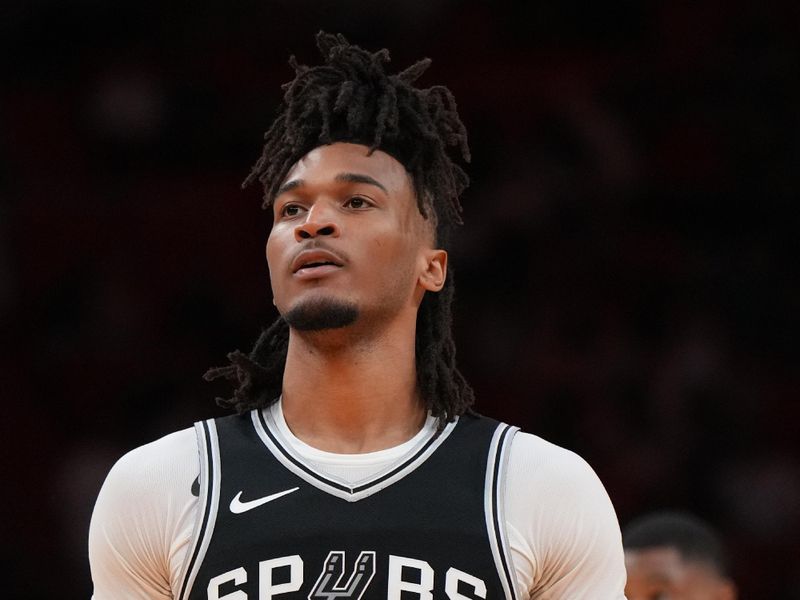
[
  {"x": 494, "y": 497},
  {"x": 209, "y": 478}
]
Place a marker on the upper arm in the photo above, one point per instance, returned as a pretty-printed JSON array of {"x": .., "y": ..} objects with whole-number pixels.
[
  {"x": 563, "y": 530},
  {"x": 141, "y": 519}
]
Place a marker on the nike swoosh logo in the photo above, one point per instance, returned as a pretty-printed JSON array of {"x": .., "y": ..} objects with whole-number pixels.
[{"x": 238, "y": 507}]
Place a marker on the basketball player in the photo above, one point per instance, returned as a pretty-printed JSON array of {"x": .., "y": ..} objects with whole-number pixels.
[
  {"x": 355, "y": 466},
  {"x": 675, "y": 556}
]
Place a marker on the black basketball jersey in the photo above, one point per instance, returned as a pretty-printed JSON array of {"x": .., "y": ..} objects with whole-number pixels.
[{"x": 271, "y": 526}]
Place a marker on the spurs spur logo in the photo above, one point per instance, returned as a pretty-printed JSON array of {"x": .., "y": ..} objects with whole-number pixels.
[{"x": 330, "y": 585}]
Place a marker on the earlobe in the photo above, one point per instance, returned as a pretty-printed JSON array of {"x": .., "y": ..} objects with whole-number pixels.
[{"x": 435, "y": 273}]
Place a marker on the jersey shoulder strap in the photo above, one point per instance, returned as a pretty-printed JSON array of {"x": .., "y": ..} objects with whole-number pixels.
[
  {"x": 494, "y": 502},
  {"x": 208, "y": 503}
]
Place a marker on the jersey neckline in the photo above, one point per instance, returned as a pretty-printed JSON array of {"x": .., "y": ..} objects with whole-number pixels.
[
  {"x": 311, "y": 454},
  {"x": 411, "y": 455}
]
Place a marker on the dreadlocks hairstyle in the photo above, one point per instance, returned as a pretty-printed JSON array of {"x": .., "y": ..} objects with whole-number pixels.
[{"x": 350, "y": 98}]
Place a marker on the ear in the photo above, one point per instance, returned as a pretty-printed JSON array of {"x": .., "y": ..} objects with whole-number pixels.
[{"x": 434, "y": 272}]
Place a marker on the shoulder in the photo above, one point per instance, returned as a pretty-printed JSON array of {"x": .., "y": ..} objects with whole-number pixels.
[
  {"x": 148, "y": 468},
  {"x": 562, "y": 526},
  {"x": 533, "y": 461},
  {"x": 554, "y": 483},
  {"x": 141, "y": 518},
  {"x": 144, "y": 482}
]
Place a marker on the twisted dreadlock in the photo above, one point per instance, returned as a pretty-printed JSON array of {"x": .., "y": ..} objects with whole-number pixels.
[{"x": 350, "y": 98}]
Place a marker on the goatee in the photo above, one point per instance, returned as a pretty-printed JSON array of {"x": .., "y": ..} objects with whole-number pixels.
[{"x": 321, "y": 313}]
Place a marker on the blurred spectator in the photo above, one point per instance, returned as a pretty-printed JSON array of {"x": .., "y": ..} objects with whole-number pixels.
[{"x": 675, "y": 556}]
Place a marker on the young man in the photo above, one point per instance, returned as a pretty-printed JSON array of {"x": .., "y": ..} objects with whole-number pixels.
[
  {"x": 675, "y": 556},
  {"x": 355, "y": 467}
]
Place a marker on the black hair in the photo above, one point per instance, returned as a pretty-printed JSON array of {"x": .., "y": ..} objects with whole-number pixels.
[
  {"x": 693, "y": 538},
  {"x": 351, "y": 98}
]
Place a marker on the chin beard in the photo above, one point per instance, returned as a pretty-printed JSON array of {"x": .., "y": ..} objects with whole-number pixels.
[{"x": 320, "y": 314}]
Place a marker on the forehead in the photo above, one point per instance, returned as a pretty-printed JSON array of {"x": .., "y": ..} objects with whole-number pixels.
[
  {"x": 324, "y": 163},
  {"x": 664, "y": 566},
  {"x": 655, "y": 563}
]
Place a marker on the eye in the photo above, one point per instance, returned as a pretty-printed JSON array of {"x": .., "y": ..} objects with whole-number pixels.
[
  {"x": 357, "y": 202},
  {"x": 290, "y": 210}
]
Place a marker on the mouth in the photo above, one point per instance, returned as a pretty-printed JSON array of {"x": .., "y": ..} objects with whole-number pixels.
[
  {"x": 317, "y": 265},
  {"x": 316, "y": 270},
  {"x": 312, "y": 262}
]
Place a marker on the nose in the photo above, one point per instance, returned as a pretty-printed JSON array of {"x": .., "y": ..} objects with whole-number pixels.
[{"x": 317, "y": 223}]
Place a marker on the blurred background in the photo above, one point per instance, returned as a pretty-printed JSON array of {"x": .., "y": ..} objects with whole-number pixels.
[{"x": 625, "y": 277}]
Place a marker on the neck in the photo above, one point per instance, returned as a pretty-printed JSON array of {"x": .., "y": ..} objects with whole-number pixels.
[{"x": 350, "y": 394}]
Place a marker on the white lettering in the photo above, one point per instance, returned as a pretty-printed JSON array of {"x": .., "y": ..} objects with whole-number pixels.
[
  {"x": 413, "y": 576},
  {"x": 397, "y": 585},
  {"x": 451, "y": 584},
  {"x": 237, "y": 576},
  {"x": 267, "y": 589}
]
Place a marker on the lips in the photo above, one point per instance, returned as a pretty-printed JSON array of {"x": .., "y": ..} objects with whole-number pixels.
[{"x": 310, "y": 260}]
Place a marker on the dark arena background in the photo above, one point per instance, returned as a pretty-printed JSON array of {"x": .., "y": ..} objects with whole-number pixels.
[{"x": 626, "y": 283}]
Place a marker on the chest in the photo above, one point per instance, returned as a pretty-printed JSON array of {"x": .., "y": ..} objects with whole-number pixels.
[{"x": 276, "y": 529}]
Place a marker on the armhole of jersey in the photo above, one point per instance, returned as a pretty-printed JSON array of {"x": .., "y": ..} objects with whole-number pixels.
[
  {"x": 494, "y": 511},
  {"x": 208, "y": 450}
]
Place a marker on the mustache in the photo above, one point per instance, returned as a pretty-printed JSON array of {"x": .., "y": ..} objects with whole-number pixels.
[{"x": 316, "y": 244}]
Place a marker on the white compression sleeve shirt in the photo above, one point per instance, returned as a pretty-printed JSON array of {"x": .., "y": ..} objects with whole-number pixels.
[{"x": 563, "y": 532}]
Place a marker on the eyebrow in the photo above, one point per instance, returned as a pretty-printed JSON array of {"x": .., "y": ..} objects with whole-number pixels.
[
  {"x": 341, "y": 177},
  {"x": 359, "y": 178}
]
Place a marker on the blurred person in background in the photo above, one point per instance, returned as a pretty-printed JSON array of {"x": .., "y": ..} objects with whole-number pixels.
[
  {"x": 356, "y": 466},
  {"x": 675, "y": 556}
]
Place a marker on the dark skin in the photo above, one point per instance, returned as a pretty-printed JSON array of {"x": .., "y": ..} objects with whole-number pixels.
[
  {"x": 661, "y": 573},
  {"x": 352, "y": 389}
]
